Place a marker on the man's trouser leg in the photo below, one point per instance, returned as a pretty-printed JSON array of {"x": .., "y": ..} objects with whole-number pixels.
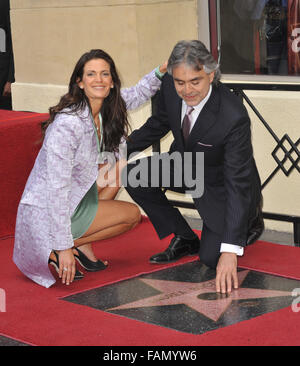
[{"x": 165, "y": 218}]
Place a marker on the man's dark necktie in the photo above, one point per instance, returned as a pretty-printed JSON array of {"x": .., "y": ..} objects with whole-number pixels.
[{"x": 186, "y": 124}]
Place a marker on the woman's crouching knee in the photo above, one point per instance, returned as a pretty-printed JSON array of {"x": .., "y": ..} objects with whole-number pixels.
[{"x": 134, "y": 215}]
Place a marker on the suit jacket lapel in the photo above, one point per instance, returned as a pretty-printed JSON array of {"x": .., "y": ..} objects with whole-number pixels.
[
  {"x": 206, "y": 119},
  {"x": 176, "y": 121}
]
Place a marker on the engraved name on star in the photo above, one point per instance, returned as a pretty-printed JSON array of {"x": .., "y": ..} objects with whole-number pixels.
[{"x": 200, "y": 297}]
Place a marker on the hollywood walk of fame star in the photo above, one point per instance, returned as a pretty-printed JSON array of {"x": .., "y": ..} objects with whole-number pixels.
[{"x": 200, "y": 297}]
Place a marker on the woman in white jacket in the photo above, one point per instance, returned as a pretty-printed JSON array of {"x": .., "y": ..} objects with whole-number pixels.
[{"x": 62, "y": 208}]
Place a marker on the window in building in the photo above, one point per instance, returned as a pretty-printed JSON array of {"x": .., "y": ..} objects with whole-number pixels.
[{"x": 260, "y": 37}]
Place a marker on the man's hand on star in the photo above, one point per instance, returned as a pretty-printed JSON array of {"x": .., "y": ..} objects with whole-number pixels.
[{"x": 226, "y": 273}]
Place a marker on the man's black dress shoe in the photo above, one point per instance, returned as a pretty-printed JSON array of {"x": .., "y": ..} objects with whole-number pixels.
[
  {"x": 178, "y": 248},
  {"x": 256, "y": 228},
  {"x": 256, "y": 225}
]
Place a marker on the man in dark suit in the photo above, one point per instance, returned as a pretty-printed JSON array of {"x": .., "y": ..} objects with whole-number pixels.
[
  {"x": 204, "y": 117},
  {"x": 7, "y": 72}
]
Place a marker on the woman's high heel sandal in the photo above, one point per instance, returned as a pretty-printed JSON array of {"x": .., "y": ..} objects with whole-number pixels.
[
  {"x": 78, "y": 275},
  {"x": 87, "y": 264}
]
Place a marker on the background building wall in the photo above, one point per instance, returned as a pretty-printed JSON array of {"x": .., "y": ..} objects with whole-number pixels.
[{"x": 50, "y": 35}]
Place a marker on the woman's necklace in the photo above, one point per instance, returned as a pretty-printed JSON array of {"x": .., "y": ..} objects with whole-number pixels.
[{"x": 97, "y": 124}]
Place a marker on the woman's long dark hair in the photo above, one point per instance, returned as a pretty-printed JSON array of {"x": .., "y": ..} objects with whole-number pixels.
[{"x": 113, "y": 110}]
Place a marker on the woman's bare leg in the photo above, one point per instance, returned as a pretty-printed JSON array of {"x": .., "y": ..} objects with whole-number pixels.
[
  {"x": 107, "y": 193},
  {"x": 112, "y": 218}
]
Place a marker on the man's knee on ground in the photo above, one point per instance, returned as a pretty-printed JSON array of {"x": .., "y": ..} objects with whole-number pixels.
[{"x": 209, "y": 259}]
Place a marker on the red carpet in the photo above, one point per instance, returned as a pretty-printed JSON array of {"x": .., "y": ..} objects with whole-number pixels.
[
  {"x": 37, "y": 315},
  {"x": 20, "y": 133},
  {"x": 278, "y": 260}
]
